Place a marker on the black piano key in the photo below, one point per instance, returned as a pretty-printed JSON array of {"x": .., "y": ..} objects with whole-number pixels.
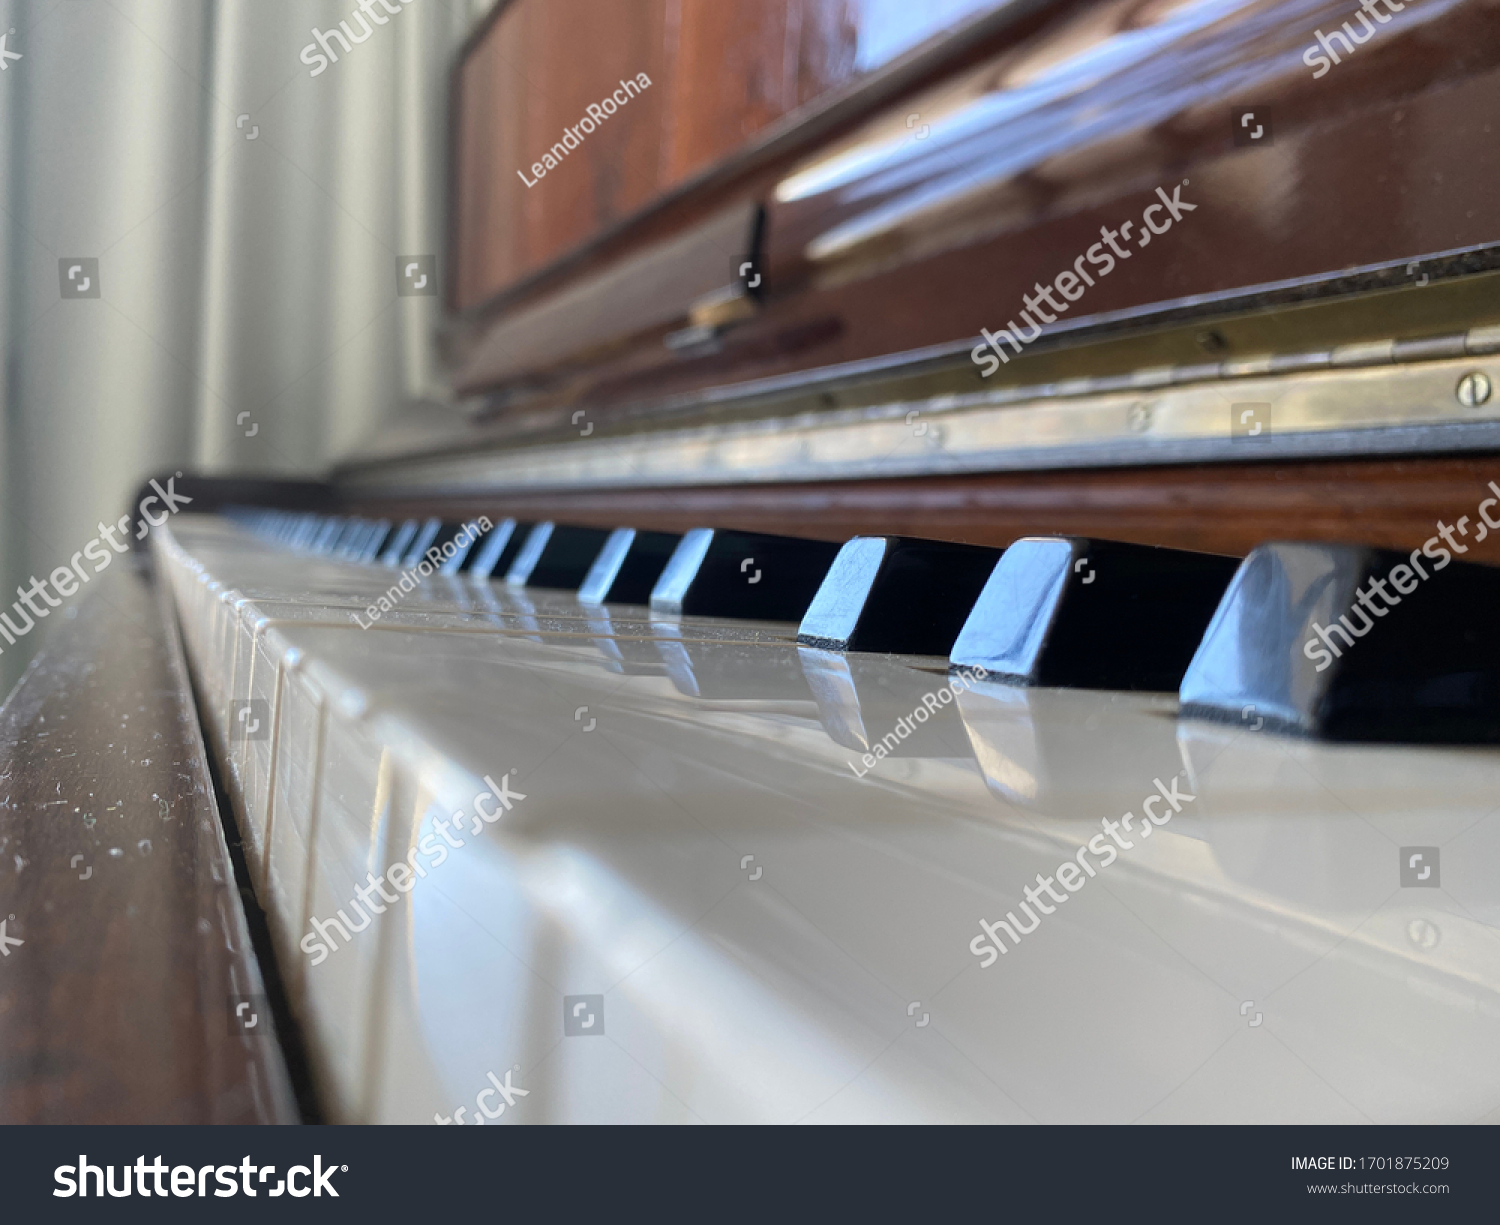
[
  {"x": 306, "y": 531},
  {"x": 556, "y": 556},
  {"x": 329, "y": 534},
  {"x": 446, "y": 534},
  {"x": 453, "y": 539},
  {"x": 473, "y": 553},
  {"x": 1355, "y": 644},
  {"x": 344, "y": 543},
  {"x": 495, "y": 554},
  {"x": 395, "y": 550},
  {"x": 628, "y": 567},
  {"x": 896, "y": 594},
  {"x": 348, "y": 541},
  {"x": 374, "y": 539},
  {"x": 334, "y": 540},
  {"x": 427, "y": 532},
  {"x": 715, "y": 573},
  {"x": 1070, "y": 612},
  {"x": 312, "y": 532},
  {"x": 529, "y": 554},
  {"x": 467, "y": 539}
]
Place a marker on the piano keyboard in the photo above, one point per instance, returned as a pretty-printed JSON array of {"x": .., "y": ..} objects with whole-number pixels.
[{"x": 731, "y": 827}]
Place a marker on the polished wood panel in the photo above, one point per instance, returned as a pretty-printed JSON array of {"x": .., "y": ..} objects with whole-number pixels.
[
  {"x": 529, "y": 80},
  {"x": 1382, "y": 161},
  {"x": 118, "y": 1007},
  {"x": 722, "y": 72},
  {"x": 652, "y": 290},
  {"x": 1220, "y": 508},
  {"x": 1036, "y": 134}
]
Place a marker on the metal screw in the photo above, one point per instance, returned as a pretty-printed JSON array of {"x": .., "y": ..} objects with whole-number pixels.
[{"x": 1473, "y": 389}]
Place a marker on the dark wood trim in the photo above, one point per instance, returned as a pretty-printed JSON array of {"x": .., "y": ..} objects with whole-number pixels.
[
  {"x": 1221, "y": 508},
  {"x": 117, "y": 1008}
]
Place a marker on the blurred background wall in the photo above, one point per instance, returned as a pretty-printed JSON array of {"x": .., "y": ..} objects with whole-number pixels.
[{"x": 247, "y": 218}]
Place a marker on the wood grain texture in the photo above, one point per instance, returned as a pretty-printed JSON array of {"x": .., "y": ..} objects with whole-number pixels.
[
  {"x": 117, "y": 1006},
  {"x": 909, "y": 246},
  {"x": 653, "y": 289},
  {"x": 722, "y": 71},
  {"x": 1220, "y": 508}
]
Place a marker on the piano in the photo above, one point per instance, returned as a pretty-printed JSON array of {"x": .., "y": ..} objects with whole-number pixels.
[{"x": 712, "y": 712}]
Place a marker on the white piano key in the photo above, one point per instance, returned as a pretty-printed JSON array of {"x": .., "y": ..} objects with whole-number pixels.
[{"x": 768, "y": 928}]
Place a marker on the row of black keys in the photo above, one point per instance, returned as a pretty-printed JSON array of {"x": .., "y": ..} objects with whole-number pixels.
[{"x": 1339, "y": 642}]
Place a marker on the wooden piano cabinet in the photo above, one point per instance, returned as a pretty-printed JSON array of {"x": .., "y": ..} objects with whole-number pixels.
[{"x": 878, "y": 240}]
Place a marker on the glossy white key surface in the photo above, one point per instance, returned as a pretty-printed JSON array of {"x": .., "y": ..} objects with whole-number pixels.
[{"x": 780, "y": 931}]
